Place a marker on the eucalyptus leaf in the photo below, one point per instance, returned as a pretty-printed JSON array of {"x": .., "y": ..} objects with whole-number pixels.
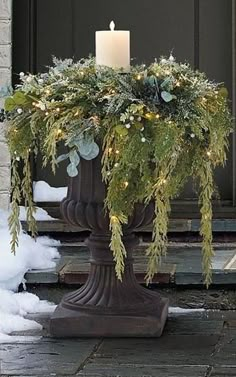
[
  {"x": 20, "y": 98},
  {"x": 84, "y": 146},
  {"x": 223, "y": 92},
  {"x": 121, "y": 130},
  {"x": 10, "y": 104},
  {"x": 166, "y": 96},
  {"x": 93, "y": 153},
  {"x": 72, "y": 170},
  {"x": 62, "y": 157},
  {"x": 167, "y": 84},
  {"x": 151, "y": 80},
  {"x": 74, "y": 157}
]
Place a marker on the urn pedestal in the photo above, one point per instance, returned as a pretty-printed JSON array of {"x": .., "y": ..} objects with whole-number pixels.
[{"x": 105, "y": 306}]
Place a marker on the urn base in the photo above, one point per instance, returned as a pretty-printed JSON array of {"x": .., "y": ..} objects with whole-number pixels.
[
  {"x": 107, "y": 307},
  {"x": 81, "y": 323}
]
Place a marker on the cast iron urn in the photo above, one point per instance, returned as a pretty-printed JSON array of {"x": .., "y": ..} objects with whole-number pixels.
[{"x": 105, "y": 306}]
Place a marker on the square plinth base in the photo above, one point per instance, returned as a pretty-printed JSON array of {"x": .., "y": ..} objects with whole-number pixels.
[{"x": 70, "y": 323}]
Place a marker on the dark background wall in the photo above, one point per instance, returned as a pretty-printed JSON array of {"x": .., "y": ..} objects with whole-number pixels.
[{"x": 197, "y": 31}]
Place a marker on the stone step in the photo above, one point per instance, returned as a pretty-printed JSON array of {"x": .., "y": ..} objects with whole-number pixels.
[
  {"x": 181, "y": 266},
  {"x": 175, "y": 226}
]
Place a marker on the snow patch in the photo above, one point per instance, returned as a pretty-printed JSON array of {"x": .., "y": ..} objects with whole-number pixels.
[
  {"x": 30, "y": 254},
  {"x": 13, "y": 308},
  {"x": 177, "y": 310},
  {"x": 43, "y": 192},
  {"x": 40, "y": 214}
]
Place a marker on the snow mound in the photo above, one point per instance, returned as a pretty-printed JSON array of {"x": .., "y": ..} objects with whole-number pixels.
[
  {"x": 13, "y": 308},
  {"x": 40, "y": 214},
  {"x": 43, "y": 192},
  {"x": 30, "y": 254}
]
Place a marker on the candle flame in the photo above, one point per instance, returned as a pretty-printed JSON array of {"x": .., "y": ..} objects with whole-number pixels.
[{"x": 112, "y": 25}]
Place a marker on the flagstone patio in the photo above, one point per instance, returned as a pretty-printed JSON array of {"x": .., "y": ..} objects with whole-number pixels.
[{"x": 193, "y": 345}]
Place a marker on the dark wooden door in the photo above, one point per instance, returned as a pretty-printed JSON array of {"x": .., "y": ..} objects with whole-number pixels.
[{"x": 201, "y": 32}]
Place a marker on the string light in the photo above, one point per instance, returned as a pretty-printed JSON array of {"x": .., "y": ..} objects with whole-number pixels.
[
  {"x": 117, "y": 151},
  {"x": 208, "y": 153},
  {"x": 162, "y": 181},
  {"x": 126, "y": 184},
  {"x": 59, "y": 132},
  {"x": 157, "y": 116},
  {"x": 47, "y": 91},
  {"x": 58, "y": 109},
  {"x": 177, "y": 83},
  {"x": 33, "y": 103},
  {"x": 139, "y": 77},
  {"x": 114, "y": 219}
]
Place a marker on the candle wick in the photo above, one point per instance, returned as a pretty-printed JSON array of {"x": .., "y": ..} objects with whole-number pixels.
[{"x": 112, "y": 25}]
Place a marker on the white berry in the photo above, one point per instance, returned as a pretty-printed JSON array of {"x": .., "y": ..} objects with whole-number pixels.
[
  {"x": 22, "y": 74},
  {"x": 163, "y": 61},
  {"x": 116, "y": 164},
  {"x": 139, "y": 119},
  {"x": 128, "y": 125},
  {"x": 131, "y": 118},
  {"x": 192, "y": 135},
  {"x": 143, "y": 140},
  {"x": 20, "y": 111}
]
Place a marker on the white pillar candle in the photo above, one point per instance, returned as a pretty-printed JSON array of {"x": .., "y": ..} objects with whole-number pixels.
[{"x": 113, "y": 48}]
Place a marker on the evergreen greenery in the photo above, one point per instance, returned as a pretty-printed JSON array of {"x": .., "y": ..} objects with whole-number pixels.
[{"x": 158, "y": 125}]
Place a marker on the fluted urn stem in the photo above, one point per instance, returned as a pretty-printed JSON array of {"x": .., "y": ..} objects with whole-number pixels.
[{"x": 106, "y": 306}]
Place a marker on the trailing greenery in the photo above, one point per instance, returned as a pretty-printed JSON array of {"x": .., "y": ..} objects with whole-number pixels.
[{"x": 158, "y": 125}]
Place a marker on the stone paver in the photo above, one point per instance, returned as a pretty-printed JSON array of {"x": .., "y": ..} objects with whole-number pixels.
[
  {"x": 62, "y": 357},
  {"x": 193, "y": 345}
]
